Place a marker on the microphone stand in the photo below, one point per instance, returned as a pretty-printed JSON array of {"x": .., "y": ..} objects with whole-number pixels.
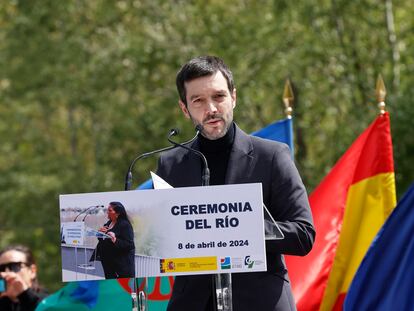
[
  {"x": 221, "y": 285},
  {"x": 205, "y": 178},
  {"x": 84, "y": 247},
  {"x": 128, "y": 177},
  {"x": 86, "y": 265},
  {"x": 87, "y": 209},
  {"x": 139, "y": 297},
  {"x": 96, "y": 250}
]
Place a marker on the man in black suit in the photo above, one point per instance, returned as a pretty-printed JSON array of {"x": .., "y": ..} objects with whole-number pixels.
[{"x": 208, "y": 97}]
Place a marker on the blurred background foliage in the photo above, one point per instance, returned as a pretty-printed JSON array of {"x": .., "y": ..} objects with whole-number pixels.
[{"x": 87, "y": 85}]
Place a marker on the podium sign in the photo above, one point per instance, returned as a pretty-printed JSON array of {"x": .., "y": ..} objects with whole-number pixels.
[
  {"x": 216, "y": 229},
  {"x": 191, "y": 230},
  {"x": 73, "y": 233}
]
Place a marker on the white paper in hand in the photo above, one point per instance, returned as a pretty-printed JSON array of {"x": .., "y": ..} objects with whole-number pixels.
[{"x": 159, "y": 183}]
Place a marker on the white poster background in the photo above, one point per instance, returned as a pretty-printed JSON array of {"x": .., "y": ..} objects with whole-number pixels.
[{"x": 162, "y": 235}]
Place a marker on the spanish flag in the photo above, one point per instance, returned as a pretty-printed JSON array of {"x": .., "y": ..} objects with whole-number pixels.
[{"x": 349, "y": 207}]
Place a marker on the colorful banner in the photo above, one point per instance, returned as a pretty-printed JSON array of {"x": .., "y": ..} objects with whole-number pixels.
[
  {"x": 349, "y": 207},
  {"x": 88, "y": 296}
]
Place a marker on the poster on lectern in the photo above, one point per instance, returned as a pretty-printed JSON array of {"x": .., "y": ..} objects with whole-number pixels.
[{"x": 178, "y": 231}]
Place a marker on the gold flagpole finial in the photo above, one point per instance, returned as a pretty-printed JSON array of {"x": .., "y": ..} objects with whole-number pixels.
[
  {"x": 381, "y": 92},
  {"x": 288, "y": 98}
]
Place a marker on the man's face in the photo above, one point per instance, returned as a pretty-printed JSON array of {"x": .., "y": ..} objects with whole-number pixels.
[
  {"x": 210, "y": 103},
  {"x": 25, "y": 271}
]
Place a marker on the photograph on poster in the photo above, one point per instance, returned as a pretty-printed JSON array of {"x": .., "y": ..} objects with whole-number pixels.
[{"x": 179, "y": 231}]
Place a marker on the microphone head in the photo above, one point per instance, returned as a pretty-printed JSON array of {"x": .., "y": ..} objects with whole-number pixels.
[
  {"x": 199, "y": 128},
  {"x": 174, "y": 132}
]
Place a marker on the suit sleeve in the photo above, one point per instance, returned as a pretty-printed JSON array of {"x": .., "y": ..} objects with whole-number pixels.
[
  {"x": 105, "y": 224},
  {"x": 125, "y": 237},
  {"x": 290, "y": 207}
]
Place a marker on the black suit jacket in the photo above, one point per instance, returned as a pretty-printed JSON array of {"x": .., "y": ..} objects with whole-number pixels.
[
  {"x": 252, "y": 160},
  {"x": 118, "y": 259}
]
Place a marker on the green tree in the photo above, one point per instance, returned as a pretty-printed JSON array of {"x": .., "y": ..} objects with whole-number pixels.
[{"x": 87, "y": 85}]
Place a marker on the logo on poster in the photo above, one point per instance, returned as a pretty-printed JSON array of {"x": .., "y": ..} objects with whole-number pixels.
[
  {"x": 225, "y": 263},
  {"x": 236, "y": 263},
  {"x": 248, "y": 262},
  {"x": 171, "y": 265}
]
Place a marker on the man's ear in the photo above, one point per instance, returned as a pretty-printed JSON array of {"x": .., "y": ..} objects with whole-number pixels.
[
  {"x": 234, "y": 97},
  {"x": 184, "y": 109},
  {"x": 33, "y": 271}
]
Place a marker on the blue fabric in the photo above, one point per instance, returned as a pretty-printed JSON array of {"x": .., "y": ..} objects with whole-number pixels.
[
  {"x": 146, "y": 185},
  {"x": 87, "y": 292},
  {"x": 385, "y": 278},
  {"x": 281, "y": 131},
  {"x": 105, "y": 295}
]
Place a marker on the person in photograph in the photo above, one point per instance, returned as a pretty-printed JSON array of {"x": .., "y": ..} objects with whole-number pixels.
[
  {"x": 116, "y": 251},
  {"x": 19, "y": 270}
]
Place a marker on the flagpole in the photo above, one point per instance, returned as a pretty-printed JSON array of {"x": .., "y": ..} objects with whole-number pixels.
[
  {"x": 288, "y": 99},
  {"x": 381, "y": 92}
]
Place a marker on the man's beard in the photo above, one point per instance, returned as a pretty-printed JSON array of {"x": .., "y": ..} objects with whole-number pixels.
[{"x": 217, "y": 135}]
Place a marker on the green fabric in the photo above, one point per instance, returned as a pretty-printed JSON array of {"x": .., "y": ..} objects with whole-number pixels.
[{"x": 111, "y": 297}]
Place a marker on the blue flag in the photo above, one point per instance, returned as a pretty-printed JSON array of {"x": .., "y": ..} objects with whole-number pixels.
[
  {"x": 385, "y": 278},
  {"x": 146, "y": 185},
  {"x": 281, "y": 131}
]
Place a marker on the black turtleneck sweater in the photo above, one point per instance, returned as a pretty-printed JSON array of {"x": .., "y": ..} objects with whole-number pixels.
[{"x": 217, "y": 153}]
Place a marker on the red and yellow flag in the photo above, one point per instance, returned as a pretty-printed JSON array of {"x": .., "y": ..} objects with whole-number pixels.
[{"x": 349, "y": 207}]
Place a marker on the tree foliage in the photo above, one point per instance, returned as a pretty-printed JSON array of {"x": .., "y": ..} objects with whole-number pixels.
[{"x": 87, "y": 85}]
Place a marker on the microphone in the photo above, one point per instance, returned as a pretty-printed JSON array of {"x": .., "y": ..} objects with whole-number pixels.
[
  {"x": 174, "y": 132},
  {"x": 205, "y": 178},
  {"x": 128, "y": 177},
  {"x": 94, "y": 207},
  {"x": 87, "y": 209}
]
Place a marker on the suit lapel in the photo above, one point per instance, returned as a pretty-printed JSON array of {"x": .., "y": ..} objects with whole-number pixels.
[{"x": 240, "y": 166}]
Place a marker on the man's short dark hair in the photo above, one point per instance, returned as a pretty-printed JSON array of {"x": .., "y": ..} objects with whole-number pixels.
[{"x": 200, "y": 67}]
